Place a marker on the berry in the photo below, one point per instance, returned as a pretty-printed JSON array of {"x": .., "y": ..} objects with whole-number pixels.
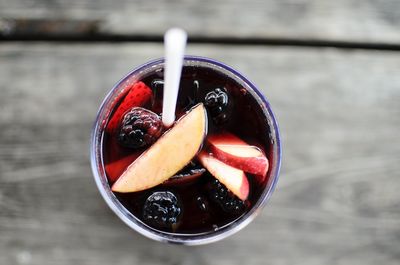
[
  {"x": 189, "y": 170},
  {"x": 162, "y": 209},
  {"x": 217, "y": 102},
  {"x": 139, "y": 128},
  {"x": 225, "y": 199},
  {"x": 138, "y": 95},
  {"x": 186, "y": 175},
  {"x": 192, "y": 97}
]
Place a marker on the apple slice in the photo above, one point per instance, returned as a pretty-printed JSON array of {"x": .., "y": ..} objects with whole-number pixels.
[
  {"x": 172, "y": 151},
  {"x": 234, "y": 179},
  {"x": 235, "y": 152}
]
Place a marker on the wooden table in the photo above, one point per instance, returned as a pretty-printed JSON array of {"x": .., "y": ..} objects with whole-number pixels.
[{"x": 330, "y": 70}]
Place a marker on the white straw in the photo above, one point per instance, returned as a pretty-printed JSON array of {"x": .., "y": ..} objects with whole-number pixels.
[{"x": 175, "y": 44}]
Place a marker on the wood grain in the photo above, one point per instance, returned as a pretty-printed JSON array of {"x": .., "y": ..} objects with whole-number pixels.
[
  {"x": 341, "y": 20},
  {"x": 337, "y": 201}
]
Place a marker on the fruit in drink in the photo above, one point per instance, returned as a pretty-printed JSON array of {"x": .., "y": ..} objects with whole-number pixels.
[
  {"x": 169, "y": 154},
  {"x": 235, "y": 152}
]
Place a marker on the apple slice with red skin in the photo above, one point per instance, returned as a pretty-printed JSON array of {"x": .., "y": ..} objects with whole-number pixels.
[
  {"x": 235, "y": 152},
  {"x": 234, "y": 179},
  {"x": 169, "y": 154}
]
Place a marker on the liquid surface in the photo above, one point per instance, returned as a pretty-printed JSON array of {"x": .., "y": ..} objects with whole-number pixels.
[{"x": 245, "y": 119}]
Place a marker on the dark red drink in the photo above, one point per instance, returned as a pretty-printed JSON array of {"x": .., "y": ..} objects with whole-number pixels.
[{"x": 223, "y": 182}]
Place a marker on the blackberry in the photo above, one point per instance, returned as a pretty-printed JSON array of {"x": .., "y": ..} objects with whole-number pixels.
[
  {"x": 187, "y": 99},
  {"x": 192, "y": 98},
  {"x": 191, "y": 169},
  {"x": 139, "y": 128},
  {"x": 225, "y": 199},
  {"x": 217, "y": 103},
  {"x": 186, "y": 175},
  {"x": 162, "y": 209}
]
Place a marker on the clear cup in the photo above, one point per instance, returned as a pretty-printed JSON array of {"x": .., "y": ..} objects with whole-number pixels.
[{"x": 134, "y": 222}]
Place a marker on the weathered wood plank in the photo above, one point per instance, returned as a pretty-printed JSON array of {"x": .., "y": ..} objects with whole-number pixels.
[
  {"x": 337, "y": 200},
  {"x": 342, "y": 20}
]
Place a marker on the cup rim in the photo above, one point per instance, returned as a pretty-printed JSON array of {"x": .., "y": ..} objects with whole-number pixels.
[{"x": 187, "y": 239}]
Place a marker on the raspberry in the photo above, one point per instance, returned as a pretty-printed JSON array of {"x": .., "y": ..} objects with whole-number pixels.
[
  {"x": 139, "y": 128},
  {"x": 162, "y": 209},
  {"x": 217, "y": 102},
  {"x": 225, "y": 199}
]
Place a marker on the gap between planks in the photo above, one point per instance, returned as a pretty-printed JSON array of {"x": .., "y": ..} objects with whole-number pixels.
[{"x": 116, "y": 38}]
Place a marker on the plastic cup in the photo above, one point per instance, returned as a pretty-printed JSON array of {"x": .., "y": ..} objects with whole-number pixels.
[{"x": 134, "y": 222}]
